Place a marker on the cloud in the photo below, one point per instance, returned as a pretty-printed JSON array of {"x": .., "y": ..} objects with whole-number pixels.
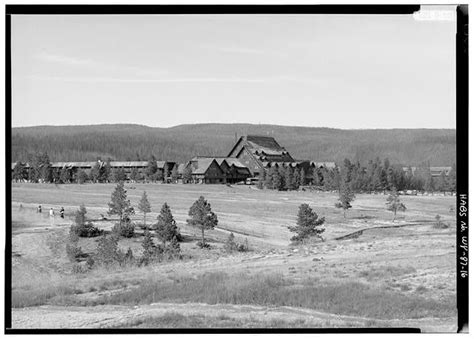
[
  {"x": 62, "y": 59},
  {"x": 98, "y": 66},
  {"x": 274, "y": 79}
]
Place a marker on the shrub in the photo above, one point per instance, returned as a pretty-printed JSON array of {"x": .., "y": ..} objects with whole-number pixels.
[
  {"x": 84, "y": 231},
  {"x": 244, "y": 247},
  {"x": 439, "y": 224},
  {"x": 173, "y": 250},
  {"x": 73, "y": 252},
  {"x": 203, "y": 245},
  {"x": 127, "y": 258},
  {"x": 78, "y": 269},
  {"x": 230, "y": 244},
  {"x": 126, "y": 230},
  {"x": 81, "y": 227}
]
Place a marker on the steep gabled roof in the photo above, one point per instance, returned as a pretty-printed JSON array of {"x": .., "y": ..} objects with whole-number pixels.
[
  {"x": 261, "y": 142},
  {"x": 323, "y": 164},
  {"x": 201, "y": 165},
  {"x": 230, "y": 161}
]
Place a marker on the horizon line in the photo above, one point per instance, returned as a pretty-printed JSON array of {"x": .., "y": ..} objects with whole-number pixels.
[{"x": 230, "y": 123}]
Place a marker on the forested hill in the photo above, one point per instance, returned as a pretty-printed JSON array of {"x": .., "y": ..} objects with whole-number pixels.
[{"x": 181, "y": 143}]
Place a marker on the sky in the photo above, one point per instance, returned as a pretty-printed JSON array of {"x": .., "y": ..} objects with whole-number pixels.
[{"x": 340, "y": 71}]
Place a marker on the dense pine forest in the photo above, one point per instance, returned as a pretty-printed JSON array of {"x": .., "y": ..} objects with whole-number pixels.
[{"x": 180, "y": 143}]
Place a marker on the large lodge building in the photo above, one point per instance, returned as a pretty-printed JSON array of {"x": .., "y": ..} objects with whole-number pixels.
[{"x": 251, "y": 155}]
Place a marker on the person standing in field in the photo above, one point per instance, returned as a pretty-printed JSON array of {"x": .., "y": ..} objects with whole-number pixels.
[
  {"x": 39, "y": 209},
  {"x": 51, "y": 212},
  {"x": 61, "y": 212}
]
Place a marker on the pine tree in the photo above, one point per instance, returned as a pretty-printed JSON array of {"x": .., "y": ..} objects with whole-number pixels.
[
  {"x": 119, "y": 175},
  {"x": 261, "y": 179},
  {"x": 451, "y": 180},
  {"x": 95, "y": 172},
  {"x": 279, "y": 179},
  {"x": 174, "y": 174},
  {"x": 134, "y": 175},
  {"x": 19, "y": 172},
  {"x": 152, "y": 168},
  {"x": 82, "y": 177},
  {"x": 302, "y": 177},
  {"x": 165, "y": 228},
  {"x": 394, "y": 204},
  {"x": 441, "y": 182},
  {"x": 296, "y": 178},
  {"x": 317, "y": 177},
  {"x": 119, "y": 205},
  {"x": 202, "y": 216},
  {"x": 149, "y": 248},
  {"x": 187, "y": 174},
  {"x": 80, "y": 216},
  {"x": 346, "y": 196},
  {"x": 269, "y": 177},
  {"x": 144, "y": 207},
  {"x": 65, "y": 175},
  {"x": 107, "y": 250},
  {"x": 106, "y": 172},
  {"x": 289, "y": 178},
  {"x": 308, "y": 224},
  {"x": 230, "y": 244}
]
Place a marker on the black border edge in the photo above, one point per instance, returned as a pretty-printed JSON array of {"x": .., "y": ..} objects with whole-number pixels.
[
  {"x": 8, "y": 211},
  {"x": 462, "y": 162},
  {"x": 213, "y": 330},
  {"x": 211, "y": 9},
  {"x": 461, "y": 135}
]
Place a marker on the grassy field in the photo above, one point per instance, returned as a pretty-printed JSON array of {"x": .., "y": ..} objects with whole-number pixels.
[{"x": 391, "y": 271}]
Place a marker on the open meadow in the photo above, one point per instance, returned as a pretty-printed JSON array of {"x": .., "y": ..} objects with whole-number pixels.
[{"x": 385, "y": 273}]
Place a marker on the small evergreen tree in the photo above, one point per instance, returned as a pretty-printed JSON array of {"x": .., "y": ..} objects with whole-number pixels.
[
  {"x": 166, "y": 228},
  {"x": 82, "y": 227},
  {"x": 289, "y": 178},
  {"x": 19, "y": 172},
  {"x": 173, "y": 250},
  {"x": 302, "y": 177},
  {"x": 95, "y": 172},
  {"x": 308, "y": 224},
  {"x": 80, "y": 216},
  {"x": 296, "y": 178},
  {"x": 105, "y": 172},
  {"x": 119, "y": 175},
  {"x": 134, "y": 175},
  {"x": 174, "y": 174},
  {"x": 152, "y": 168},
  {"x": 394, "y": 204},
  {"x": 230, "y": 244},
  {"x": 451, "y": 179},
  {"x": 149, "y": 248},
  {"x": 202, "y": 216},
  {"x": 64, "y": 175},
  {"x": 144, "y": 207},
  {"x": 346, "y": 196},
  {"x": 82, "y": 177},
  {"x": 119, "y": 205},
  {"x": 261, "y": 179},
  {"x": 269, "y": 177},
  {"x": 108, "y": 252},
  {"x": 187, "y": 174}
]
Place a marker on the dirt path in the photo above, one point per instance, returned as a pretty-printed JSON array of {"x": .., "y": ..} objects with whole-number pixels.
[{"x": 116, "y": 316}]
